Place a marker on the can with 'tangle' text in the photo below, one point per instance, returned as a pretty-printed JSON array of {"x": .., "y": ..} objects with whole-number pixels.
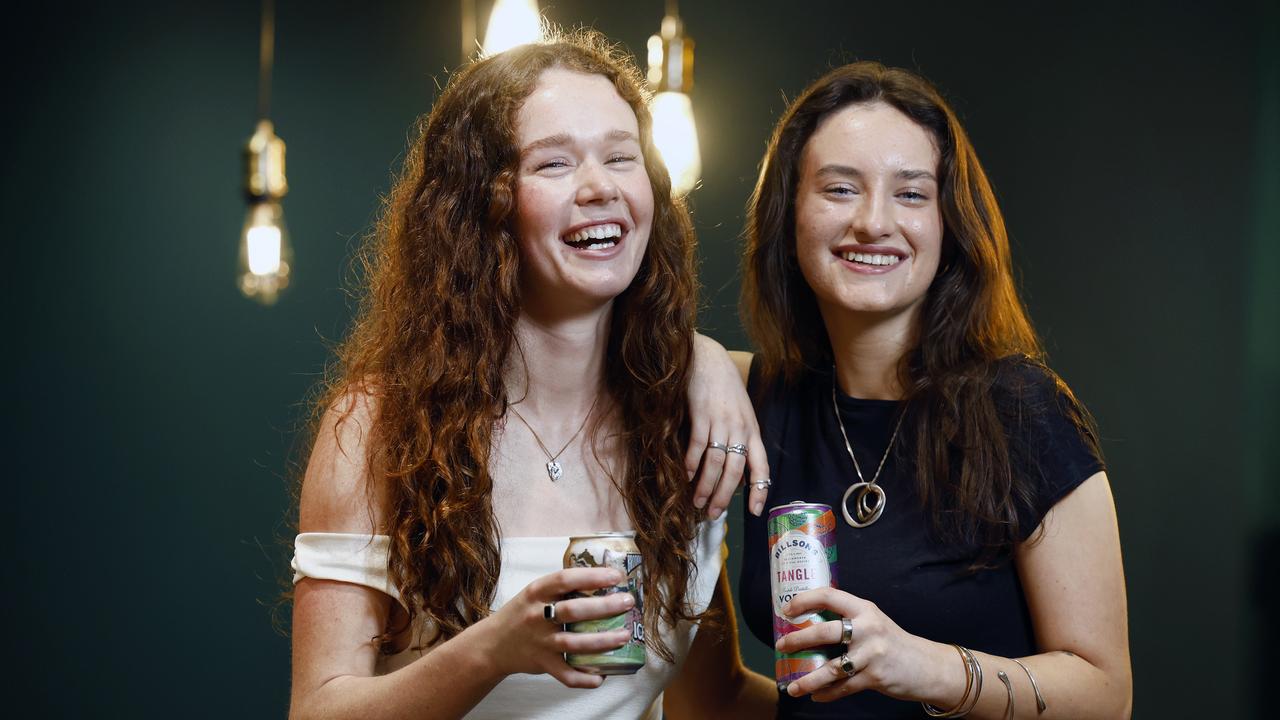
[
  {"x": 617, "y": 550},
  {"x": 802, "y": 556}
]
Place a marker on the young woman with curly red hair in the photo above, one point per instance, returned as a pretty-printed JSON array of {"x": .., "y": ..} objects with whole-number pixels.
[{"x": 530, "y": 302}]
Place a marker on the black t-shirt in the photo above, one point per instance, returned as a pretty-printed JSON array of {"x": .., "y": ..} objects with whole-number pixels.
[{"x": 921, "y": 584}]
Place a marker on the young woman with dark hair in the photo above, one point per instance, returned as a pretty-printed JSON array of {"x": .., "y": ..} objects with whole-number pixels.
[
  {"x": 517, "y": 374},
  {"x": 900, "y": 381}
]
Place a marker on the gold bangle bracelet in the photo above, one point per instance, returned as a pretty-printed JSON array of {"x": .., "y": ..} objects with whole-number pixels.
[
  {"x": 932, "y": 711},
  {"x": 977, "y": 680}
]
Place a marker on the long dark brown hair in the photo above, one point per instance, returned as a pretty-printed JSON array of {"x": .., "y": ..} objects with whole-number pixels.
[
  {"x": 437, "y": 326},
  {"x": 971, "y": 318}
]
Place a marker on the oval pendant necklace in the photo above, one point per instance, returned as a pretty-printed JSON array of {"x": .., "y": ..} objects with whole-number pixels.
[{"x": 869, "y": 498}]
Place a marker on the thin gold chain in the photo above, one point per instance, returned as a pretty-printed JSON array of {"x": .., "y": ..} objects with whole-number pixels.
[{"x": 550, "y": 457}]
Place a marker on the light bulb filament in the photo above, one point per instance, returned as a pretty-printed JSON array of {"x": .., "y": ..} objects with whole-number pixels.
[
  {"x": 264, "y": 250},
  {"x": 512, "y": 23}
]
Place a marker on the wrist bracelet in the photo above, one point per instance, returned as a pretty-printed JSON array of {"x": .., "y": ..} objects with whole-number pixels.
[
  {"x": 972, "y": 670},
  {"x": 977, "y": 681}
]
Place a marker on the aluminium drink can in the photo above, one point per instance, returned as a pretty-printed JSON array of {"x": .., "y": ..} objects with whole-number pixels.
[
  {"x": 619, "y": 551},
  {"x": 802, "y": 556}
]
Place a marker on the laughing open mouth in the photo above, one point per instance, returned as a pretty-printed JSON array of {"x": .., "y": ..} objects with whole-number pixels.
[{"x": 595, "y": 237}]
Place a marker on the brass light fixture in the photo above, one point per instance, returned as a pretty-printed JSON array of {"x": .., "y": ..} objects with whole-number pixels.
[
  {"x": 671, "y": 79},
  {"x": 265, "y": 251}
]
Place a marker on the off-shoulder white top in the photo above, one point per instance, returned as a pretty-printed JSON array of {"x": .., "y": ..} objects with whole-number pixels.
[{"x": 362, "y": 560}]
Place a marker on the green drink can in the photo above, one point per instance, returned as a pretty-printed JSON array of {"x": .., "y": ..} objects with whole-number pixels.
[{"x": 617, "y": 550}]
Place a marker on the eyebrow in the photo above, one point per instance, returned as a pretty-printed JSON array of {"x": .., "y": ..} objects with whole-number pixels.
[
  {"x": 562, "y": 139},
  {"x": 853, "y": 172}
]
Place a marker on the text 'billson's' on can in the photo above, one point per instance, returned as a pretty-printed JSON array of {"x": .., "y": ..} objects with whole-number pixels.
[
  {"x": 617, "y": 550},
  {"x": 802, "y": 556}
]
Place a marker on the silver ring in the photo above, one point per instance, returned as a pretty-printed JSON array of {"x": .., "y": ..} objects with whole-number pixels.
[
  {"x": 846, "y": 630},
  {"x": 737, "y": 448},
  {"x": 549, "y": 611},
  {"x": 845, "y": 663},
  {"x": 763, "y": 484},
  {"x": 713, "y": 445}
]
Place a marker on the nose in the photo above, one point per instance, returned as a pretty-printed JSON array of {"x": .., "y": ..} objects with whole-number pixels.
[
  {"x": 595, "y": 185},
  {"x": 873, "y": 217}
]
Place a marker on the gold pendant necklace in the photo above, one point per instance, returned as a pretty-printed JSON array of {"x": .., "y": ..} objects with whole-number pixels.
[
  {"x": 554, "y": 471},
  {"x": 870, "y": 497}
]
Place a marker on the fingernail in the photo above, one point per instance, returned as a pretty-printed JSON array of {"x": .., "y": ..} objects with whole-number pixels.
[
  {"x": 792, "y": 690},
  {"x": 756, "y": 508},
  {"x": 698, "y": 502},
  {"x": 627, "y": 600},
  {"x": 715, "y": 513}
]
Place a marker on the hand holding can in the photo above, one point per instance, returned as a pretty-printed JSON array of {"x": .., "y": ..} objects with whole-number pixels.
[
  {"x": 619, "y": 552},
  {"x": 802, "y": 556}
]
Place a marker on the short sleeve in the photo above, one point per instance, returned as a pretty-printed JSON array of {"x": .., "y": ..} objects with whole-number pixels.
[
  {"x": 1052, "y": 443},
  {"x": 347, "y": 557}
]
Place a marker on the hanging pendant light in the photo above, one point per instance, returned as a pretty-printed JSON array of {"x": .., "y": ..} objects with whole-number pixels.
[
  {"x": 671, "y": 78},
  {"x": 512, "y": 23},
  {"x": 266, "y": 255}
]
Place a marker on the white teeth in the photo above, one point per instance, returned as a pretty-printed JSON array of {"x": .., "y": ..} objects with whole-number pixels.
[
  {"x": 601, "y": 246},
  {"x": 596, "y": 232},
  {"x": 871, "y": 258}
]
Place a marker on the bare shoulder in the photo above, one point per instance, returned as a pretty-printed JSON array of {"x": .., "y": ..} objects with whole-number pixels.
[{"x": 338, "y": 492}]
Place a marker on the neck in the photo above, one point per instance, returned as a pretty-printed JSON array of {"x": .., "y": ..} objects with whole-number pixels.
[
  {"x": 557, "y": 367},
  {"x": 868, "y": 349}
]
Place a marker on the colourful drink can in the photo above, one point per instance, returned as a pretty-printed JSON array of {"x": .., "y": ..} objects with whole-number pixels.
[
  {"x": 617, "y": 550},
  {"x": 802, "y": 556}
]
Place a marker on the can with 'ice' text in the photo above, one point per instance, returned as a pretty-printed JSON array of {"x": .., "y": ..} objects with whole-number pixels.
[
  {"x": 619, "y": 551},
  {"x": 802, "y": 556}
]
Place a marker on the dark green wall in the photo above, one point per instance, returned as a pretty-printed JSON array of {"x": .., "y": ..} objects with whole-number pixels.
[{"x": 156, "y": 409}]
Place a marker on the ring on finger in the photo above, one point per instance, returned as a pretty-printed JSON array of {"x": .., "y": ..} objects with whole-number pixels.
[
  {"x": 846, "y": 630},
  {"x": 713, "y": 445},
  {"x": 737, "y": 448},
  {"x": 762, "y": 484},
  {"x": 845, "y": 663},
  {"x": 549, "y": 611}
]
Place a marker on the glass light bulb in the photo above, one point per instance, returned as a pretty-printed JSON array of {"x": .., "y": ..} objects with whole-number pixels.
[
  {"x": 512, "y": 23},
  {"x": 265, "y": 253},
  {"x": 677, "y": 139}
]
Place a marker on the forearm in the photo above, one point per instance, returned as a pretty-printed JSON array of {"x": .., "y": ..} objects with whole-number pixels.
[
  {"x": 445, "y": 683},
  {"x": 705, "y": 348},
  {"x": 1071, "y": 686}
]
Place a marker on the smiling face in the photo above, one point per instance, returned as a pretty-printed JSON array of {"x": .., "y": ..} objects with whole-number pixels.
[
  {"x": 868, "y": 221},
  {"x": 584, "y": 203}
]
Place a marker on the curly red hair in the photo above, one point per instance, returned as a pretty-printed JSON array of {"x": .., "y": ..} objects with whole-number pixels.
[{"x": 436, "y": 328}]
